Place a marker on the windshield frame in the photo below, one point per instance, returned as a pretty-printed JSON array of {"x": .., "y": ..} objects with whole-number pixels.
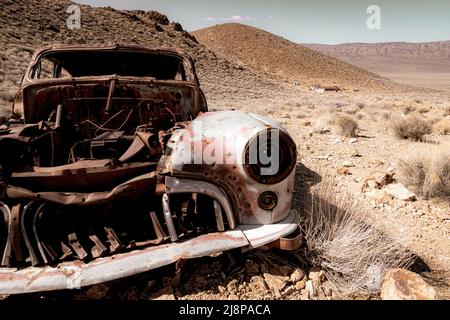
[{"x": 40, "y": 55}]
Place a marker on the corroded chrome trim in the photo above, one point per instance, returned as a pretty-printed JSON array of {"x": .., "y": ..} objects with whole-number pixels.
[{"x": 175, "y": 185}]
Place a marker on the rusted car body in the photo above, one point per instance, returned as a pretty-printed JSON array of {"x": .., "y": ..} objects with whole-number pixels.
[{"x": 104, "y": 173}]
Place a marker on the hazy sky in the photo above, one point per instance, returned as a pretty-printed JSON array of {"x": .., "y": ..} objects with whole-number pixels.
[{"x": 306, "y": 21}]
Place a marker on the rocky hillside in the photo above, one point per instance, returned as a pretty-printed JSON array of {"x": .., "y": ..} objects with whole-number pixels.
[
  {"x": 28, "y": 24},
  {"x": 284, "y": 59},
  {"x": 426, "y": 64}
]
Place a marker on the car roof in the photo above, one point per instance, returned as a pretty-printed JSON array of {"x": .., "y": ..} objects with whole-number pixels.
[{"x": 107, "y": 46}]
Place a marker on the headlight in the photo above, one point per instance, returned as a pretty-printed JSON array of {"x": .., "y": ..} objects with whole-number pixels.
[{"x": 270, "y": 156}]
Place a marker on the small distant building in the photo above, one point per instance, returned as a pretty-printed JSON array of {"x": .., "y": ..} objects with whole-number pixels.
[{"x": 322, "y": 89}]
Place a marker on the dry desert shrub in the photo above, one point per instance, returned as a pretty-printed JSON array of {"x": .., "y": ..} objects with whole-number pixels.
[
  {"x": 427, "y": 173},
  {"x": 411, "y": 128},
  {"x": 348, "y": 127},
  {"x": 442, "y": 127},
  {"x": 344, "y": 241},
  {"x": 322, "y": 125},
  {"x": 424, "y": 110},
  {"x": 386, "y": 116},
  {"x": 408, "y": 109},
  {"x": 446, "y": 111},
  {"x": 352, "y": 109}
]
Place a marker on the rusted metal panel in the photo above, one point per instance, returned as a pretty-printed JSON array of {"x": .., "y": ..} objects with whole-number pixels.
[
  {"x": 229, "y": 131},
  {"x": 174, "y": 186},
  {"x": 79, "y": 178},
  {"x": 75, "y": 275},
  {"x": 135, "y": 185}
]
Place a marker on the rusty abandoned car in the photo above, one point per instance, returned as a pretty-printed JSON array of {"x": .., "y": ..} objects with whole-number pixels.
[{"x": 104, "y": 174}]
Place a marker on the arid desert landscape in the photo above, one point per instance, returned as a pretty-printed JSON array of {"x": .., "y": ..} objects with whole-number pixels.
[{"x": 375, "y": 151}]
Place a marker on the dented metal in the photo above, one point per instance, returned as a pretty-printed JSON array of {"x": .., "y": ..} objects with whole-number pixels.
[{"x": 116, "y": 167}]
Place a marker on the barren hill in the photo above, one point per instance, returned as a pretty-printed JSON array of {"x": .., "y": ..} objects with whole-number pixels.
[
  {"x": 28, "y": 24},
  {"x": 425, "y": 64},
  {"x": 277, "y": 56}
]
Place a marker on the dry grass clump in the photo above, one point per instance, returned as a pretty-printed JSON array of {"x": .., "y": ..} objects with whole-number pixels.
[
  {"x": 428, "y": 173},
  {"x": 424, "y": 110},
  {"x": 386, "y": 116},
  {"x": 442, "y": 127},
  {"x": 5, "y": 114},
  {"x": 351, "y": 110},
  {"x": 344, "y": 241},
  {"x": 322, "y": 125},
  {"x": 347, "y": 126},
  {"x": 446, "y": 111},
  {"x": 411, "y": 128},
  {"x": 408, "y": 109}
]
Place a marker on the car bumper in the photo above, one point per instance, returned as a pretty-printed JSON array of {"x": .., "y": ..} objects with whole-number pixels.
[{"x": 74, "y": 275}]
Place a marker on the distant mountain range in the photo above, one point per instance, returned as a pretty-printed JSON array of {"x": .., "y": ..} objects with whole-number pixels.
[{"x": 422, "y": 64}]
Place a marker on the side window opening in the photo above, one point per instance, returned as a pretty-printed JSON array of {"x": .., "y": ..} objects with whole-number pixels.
[
  {"x": 181, "y": 74},
  {"x": 44, "y": 69}
]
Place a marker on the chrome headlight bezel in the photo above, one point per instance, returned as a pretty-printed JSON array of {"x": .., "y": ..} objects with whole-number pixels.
[{"x": 287, "y": 159}]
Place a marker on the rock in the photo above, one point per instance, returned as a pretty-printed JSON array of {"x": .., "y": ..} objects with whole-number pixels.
[
  {"x": 352, "y": 141},
  {"x": 176, "y": 26},
  {"x": 348, "y": 164},
  {"x": 275, "y": 283},
  {"x": 221, "y": 289},
  {"x": 165, "y": 293},
  {"x": 300, "y": 285},
  {"x": 288, "y": 290},
  {"x": 278, "y": 294},
  {"x": 232, "y": 285},
  {"x": 310, "y": 290},
  {"x": 378, "y": 179},
  {"x": 356, "y": 154},
  {"x": 379, "y": 196},
  {"x": 297, "y": 275},
  {"x": 400, "y": 284},
  {"x": 262, "y": 284},
  {"x": 324, "y": 157},
  {"x": 304, "y": 295},
  {"x": 316, "y": 274},
  {"x": 377, "y": 163},
  {"x": 343, "y": 171},
  {"x": 326, "y": 288},
  {"x": 398, "y": 190}
]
